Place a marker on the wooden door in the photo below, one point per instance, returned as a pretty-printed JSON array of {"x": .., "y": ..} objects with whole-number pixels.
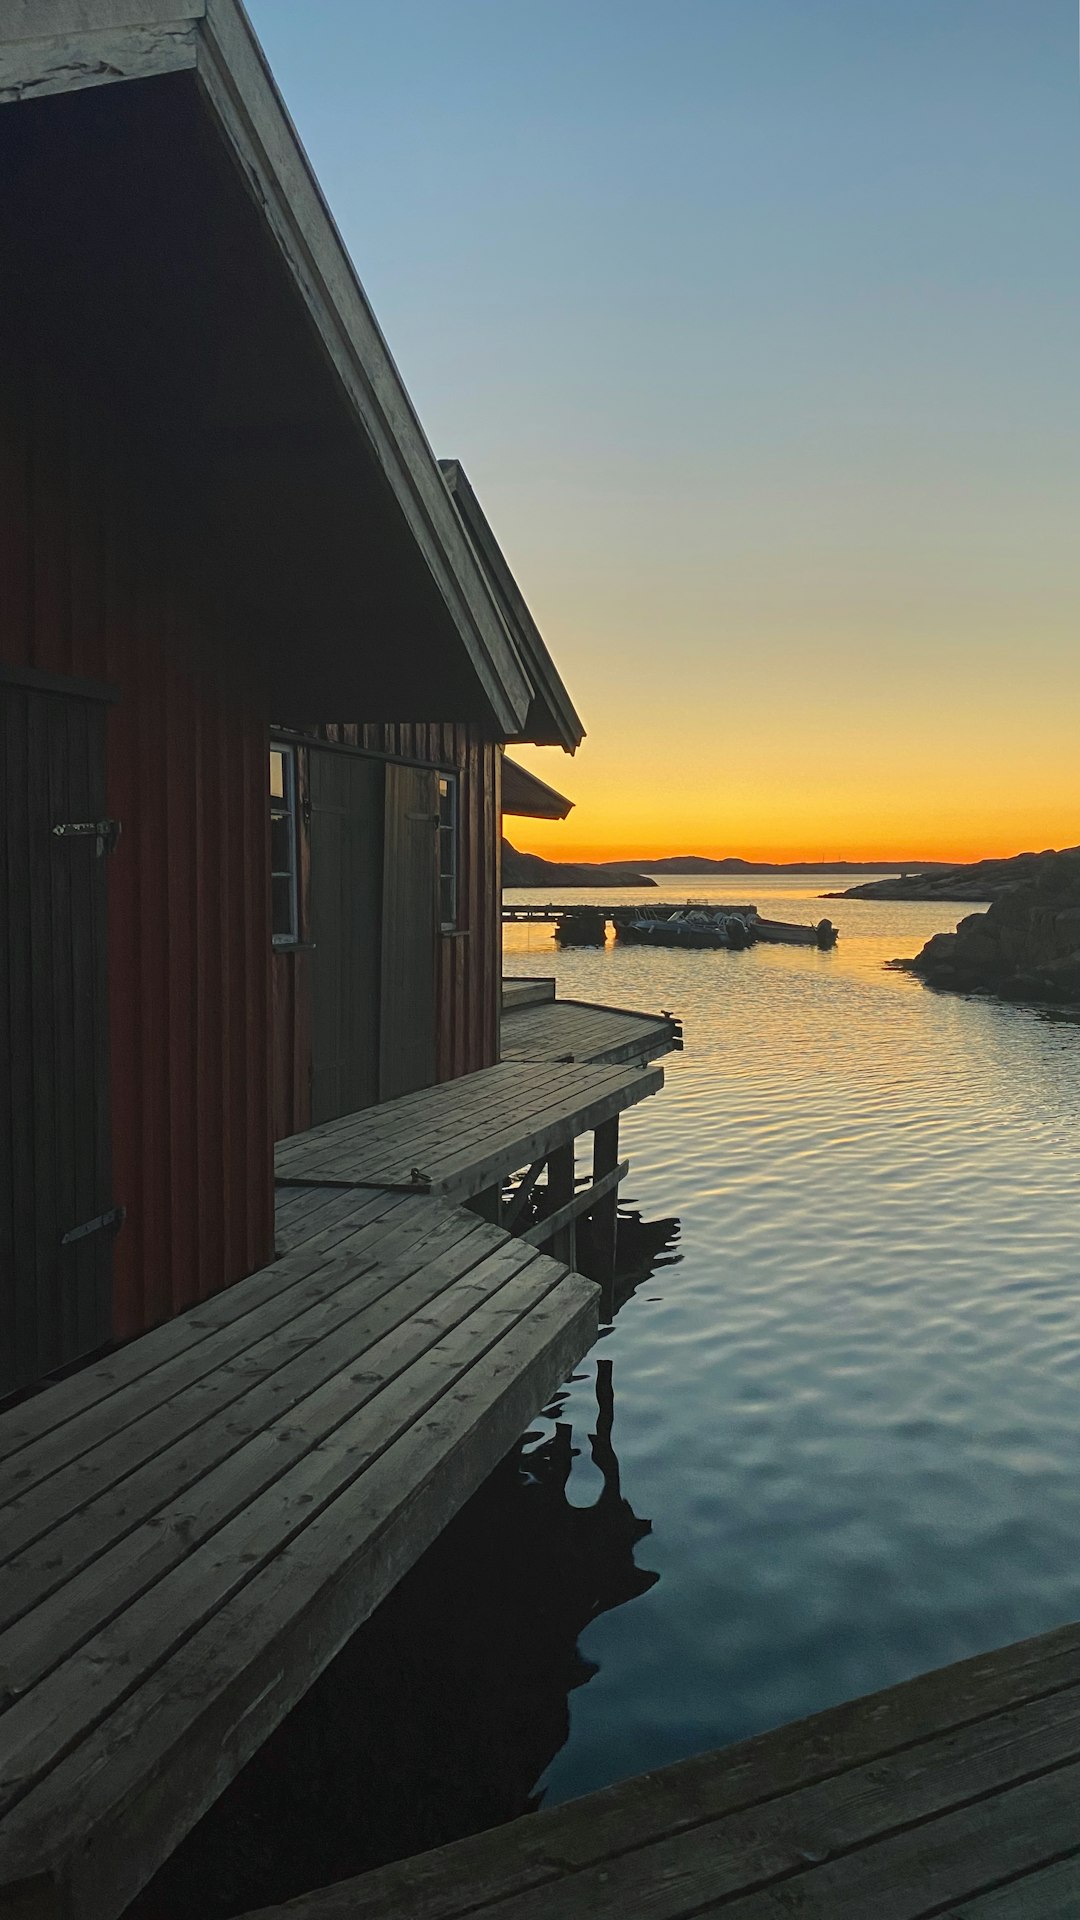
[
  {"x": 57, "y": 1216},
  {"x": 345, "y": 918},
  {"x": 410, "y": 905}
]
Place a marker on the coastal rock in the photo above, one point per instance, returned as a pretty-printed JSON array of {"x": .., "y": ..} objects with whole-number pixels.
[
  {"x": 980, "y": 881},
  {"x": 1026, "y": 946}
]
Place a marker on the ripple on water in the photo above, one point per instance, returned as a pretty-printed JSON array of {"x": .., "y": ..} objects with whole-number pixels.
[{"x": 851, "y": 1410}]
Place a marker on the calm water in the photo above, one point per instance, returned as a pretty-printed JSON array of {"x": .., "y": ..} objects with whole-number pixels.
[{"x": 852, "y": 1409}]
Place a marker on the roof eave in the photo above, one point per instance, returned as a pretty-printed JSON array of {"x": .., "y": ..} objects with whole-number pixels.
[
  {"x": 526, "y": 797},
  {"x": 101, "y": 42},
  {"x": 551, "y": 719}
]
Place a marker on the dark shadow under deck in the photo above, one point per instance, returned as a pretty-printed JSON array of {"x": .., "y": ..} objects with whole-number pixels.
[{"x": 955, "y": 1794}]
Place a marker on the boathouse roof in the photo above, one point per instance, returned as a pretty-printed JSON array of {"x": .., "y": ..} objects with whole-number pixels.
[
  {"x": 182, "y": 245},
  {"x": 529, "y": 798},
  {"x": 551, "y": 720}
]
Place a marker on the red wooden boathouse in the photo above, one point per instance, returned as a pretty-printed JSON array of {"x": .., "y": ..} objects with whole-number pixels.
[
  {"x": 259, "y": 659},
  {"x": 220, "y": 525}
]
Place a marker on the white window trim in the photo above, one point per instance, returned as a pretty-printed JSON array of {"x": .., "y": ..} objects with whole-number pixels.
[
  {"x": 451, "y": 834},
  {"x": 287, "y": 808}
]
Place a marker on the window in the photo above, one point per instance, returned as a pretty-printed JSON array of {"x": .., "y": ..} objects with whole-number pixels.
[
  {"x": 448, "y": 851},
  {"x": 283, "y": 909}
]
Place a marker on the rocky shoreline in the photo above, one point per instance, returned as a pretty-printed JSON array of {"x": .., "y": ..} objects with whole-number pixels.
[
  {"x": 980, "y": 880},
  {"x": 1026, "y": 946}
]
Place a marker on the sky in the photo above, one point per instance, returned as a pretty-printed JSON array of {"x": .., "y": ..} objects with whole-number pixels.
[{"x": 755, "y": 324}]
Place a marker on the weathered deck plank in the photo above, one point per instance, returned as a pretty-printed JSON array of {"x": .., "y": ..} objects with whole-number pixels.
[
  {"x": 31, "y": 1420},
  {"x": 193, "y": 1534},
  {"x": 921, "y": 1800},
  {"x": 465, "y": 1134},
  {"x": 577, "y": 1030}
]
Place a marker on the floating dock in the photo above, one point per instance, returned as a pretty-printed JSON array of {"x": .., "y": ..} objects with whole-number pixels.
[
  {"x": 527, "y": 915},
  {"x": 956, "y": 1794}
]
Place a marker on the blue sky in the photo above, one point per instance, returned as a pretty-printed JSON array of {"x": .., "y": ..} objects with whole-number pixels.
[{"x": 755, "y": 325}]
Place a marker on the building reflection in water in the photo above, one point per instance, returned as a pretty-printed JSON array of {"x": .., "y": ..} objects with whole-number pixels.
[{"x": 445, "y": 1709}]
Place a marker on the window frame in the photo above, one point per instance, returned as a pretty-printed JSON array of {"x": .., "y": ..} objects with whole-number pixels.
[
  {"x": 449, "y": 786},
  {"x": 286, "y": 808}
]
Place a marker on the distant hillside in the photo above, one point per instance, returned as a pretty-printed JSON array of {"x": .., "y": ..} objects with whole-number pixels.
[
  {"x": 979, "y": 880},
  {"x": 699, "y": 863},
  {"x": 528, "y": 870}
]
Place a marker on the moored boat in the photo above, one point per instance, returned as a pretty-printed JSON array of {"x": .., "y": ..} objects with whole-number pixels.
[
  {"x": 790, "y": 934},
  {"x": 688, "y": 927}
]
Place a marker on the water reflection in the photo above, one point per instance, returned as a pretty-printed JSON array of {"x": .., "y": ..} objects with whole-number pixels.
[
  {"x": 643, "y": 1249},
  {"x": 444, "y": 1711},
  {"x": 856, "y": 1411}
]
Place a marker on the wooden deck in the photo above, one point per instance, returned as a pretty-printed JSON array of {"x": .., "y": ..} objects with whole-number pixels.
[
  {"x": 579, "y": 1030},
  {"x": 460, "y": 1139},
  {"x": 192, "y": 1528},
  {"x": 524, "y": 990},
  {"x": 956, "y": 1794}
]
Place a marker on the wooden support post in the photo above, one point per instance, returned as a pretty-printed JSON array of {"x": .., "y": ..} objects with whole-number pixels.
[
  {"x": 604, "y": 1215},
  {"x": 488, "y": 1204},
  {"x": 521, "y": 1196},
  {"x": 561, "y": 1194}
]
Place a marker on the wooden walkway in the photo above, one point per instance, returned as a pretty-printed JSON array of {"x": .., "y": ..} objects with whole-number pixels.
[
  {"x": 526, "y": 990},
  {"x": 461, "y": 1138},
  {"x": 578, "y": 1030},
  {"x": 191, "y": 1529},
  {"x": 956, "y": 1794}
]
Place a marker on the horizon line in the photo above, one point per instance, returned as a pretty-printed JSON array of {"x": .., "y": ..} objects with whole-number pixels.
[{"x": 593, "y": 856}]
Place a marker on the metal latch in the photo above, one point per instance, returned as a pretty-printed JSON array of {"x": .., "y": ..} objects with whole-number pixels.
[
  {"x": 105, "y": 832},
  {"x": 110, "y": 1222}
]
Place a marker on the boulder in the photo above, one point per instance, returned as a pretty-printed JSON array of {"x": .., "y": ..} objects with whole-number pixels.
[{"x": 1026, "y": 946}]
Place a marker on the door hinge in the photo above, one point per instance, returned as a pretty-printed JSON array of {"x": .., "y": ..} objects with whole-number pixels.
[
  {"x": 110, "y": 1222},
  {"x": 105, "y": 832}
]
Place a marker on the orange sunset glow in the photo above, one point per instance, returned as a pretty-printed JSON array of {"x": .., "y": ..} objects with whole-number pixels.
[
  {"x": 814, "y": 779},
  {"x": 760, "y": 352}
]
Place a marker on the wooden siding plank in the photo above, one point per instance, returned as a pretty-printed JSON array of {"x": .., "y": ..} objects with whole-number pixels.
[
  {"x": 57, "y": 1295},
  {"x": 407, "y": 1037},
  {"x": 346, "y": 866},
  {"x": 42, "y": 1257}
]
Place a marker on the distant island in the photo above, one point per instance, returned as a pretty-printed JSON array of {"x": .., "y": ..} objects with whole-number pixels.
[
  {"x": 701, "y": 863},
  {"x": 529, "y": 870},
  {"x": 1026, "y": 946},
  {"x": 977, "y": 881}
]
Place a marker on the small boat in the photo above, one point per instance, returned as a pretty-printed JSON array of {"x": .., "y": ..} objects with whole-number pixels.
[
  {"x": 688, "y": 927},
  {"x": 787, "y": 933}
]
